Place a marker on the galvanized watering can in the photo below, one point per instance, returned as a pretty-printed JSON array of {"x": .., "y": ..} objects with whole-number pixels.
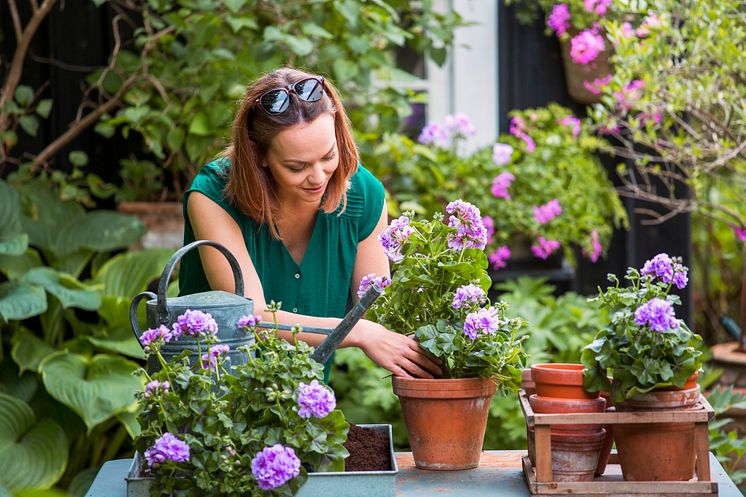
[{"x": 226, "y": 309}]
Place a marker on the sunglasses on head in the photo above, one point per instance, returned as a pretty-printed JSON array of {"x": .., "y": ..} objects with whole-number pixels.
[{"x": 277, "y": 101}]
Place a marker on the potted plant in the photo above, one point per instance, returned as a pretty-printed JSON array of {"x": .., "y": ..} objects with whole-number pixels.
[
  {"x": 647, "y": 359},
  {"x": 585, "y": 46},
  {"x": 438, "y": 294},
  {"x": 217, "y": 429}
]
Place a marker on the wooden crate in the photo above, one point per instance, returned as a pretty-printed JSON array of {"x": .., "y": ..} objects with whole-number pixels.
[{"x": 540, "y": 480}]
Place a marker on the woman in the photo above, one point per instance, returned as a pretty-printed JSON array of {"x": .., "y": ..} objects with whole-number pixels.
[{"x": 289, "y": 199}]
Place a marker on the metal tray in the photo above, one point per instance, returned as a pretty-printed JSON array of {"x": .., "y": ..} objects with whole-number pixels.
[{"x": 331, "y": 484}]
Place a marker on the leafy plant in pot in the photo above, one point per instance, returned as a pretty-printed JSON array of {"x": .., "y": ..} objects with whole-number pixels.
[
  {"x": 438, "y": 294},
  {"x": 216, "y": 429},
  {"x": 653, "y": 360}
]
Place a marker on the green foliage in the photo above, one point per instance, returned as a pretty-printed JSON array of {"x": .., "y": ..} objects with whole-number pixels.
[
  {"x": 725, "y": 441},
  {"x": 64, "y": 332},
  {"x": 580, "y": 18},
  {"x": 193, "y": 60},
  {"x": 558, "y": 327},
  {"x": 635, "y": 356},
  {"x": 430, "y": 268},
  {"x": 228, "y": 415},
  {"x": 561, "y": 167},
  {"x": 685, "y": 125}
]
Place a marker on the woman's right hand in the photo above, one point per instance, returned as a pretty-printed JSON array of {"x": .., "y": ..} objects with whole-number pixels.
[{"x": 395, "y": 352}]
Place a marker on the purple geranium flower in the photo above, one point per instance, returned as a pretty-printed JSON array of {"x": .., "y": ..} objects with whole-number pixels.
[
  {"x": 156, "y": 337},
  {"x": 275, "y": 466},
  {"x": 466, "y": 294},
  {"x": 499, "y": 258},
  {"x": 658, "y": 314},
  {"x": 155, "y": 388},
  {"x": 211, "y": 362},
  {"x": 460, "y": 124},
  {"x": 559, "y": 19},
  {"x": 470, "y": 232},
  {"x": 315, "y": 400},
  {"x": 501, "y": 153},
  {"x": 660, "y": 266},
  {"x": 167, "y": 448},
  {"x": 434, "y": 133},
  {"x": 369, "y": 280},
  {"x": 544, "y": 248},
  {"x": 586, "y": 46},
  {"x": 394, "y": 237},
  {"x": 249, "y": 321},
  {"x": 545, "y": 213},
  {"x": 195, "y": 323},
  {"x": 482, "y": 322},
  {"x": 489, "y": 225}
]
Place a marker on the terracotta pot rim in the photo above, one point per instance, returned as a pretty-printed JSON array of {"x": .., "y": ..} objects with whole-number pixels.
[
  {"x": 662, "y": 399},
  {"x": 550, "y": 405},
  {"x": 453, "y": 388}
]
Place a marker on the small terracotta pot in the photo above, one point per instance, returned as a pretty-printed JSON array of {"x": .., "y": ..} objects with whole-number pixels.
[
  {"x": 564, "y": 381},
  {"x": 527, "y": 382},
  {"x": 657, "y": 451},
  {"x": 445, "y": 419},
  {"x": 575, "y": 456},
  {"x": 551, "y": 405}
]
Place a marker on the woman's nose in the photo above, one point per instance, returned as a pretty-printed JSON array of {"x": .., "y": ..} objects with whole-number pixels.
[{"x": 317, "y": 175}]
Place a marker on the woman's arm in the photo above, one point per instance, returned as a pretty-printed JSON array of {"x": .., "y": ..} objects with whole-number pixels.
[{"x": 399, "y": 354}]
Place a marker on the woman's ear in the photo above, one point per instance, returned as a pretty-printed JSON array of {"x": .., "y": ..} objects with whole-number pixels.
[{"x": 257, "y": 153}]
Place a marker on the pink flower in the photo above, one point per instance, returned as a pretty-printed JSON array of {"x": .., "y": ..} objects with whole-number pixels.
[
  {"x": 544, "y": 248},
  {"x": 598, "y": 6},
  {"x": 650, "y": 117},
  {"x": 597, "y": 84},
  {"x": 545, "y": 213},
  {"x": 460, "y": 124},
  {"x": 627, "y": 30},
  {"x": 651, "y": 22},
  {"x": 626, "y": 98},
  {"x": 530, "y": 143},
  {"x": 586, "y": 46},
  {"x": 740, "y": 232},
  {"x": 597, "y": 249},
  {"x": 572, "y": 122},
  {"x": 518, "y": 129},
  {"x": 501, "y": 153},
  {"x": 559, "y": 19},
  {"x": 500, "y": 185},
  {"x": 499, "y": 257}
]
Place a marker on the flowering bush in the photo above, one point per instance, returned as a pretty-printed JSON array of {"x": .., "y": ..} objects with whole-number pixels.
[
  {"x": 218, "y": 429},
  {"x": 439, "y": 294},
  {"x": 540, "y": 183},
  {"x": 644, "y": 346}
]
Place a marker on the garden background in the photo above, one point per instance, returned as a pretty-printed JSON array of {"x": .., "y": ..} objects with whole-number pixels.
[{"x": 107, "y": 102}]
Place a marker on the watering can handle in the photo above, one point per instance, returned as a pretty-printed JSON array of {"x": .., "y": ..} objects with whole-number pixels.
[
  {"x": 161, "y": 307},
  {"x": 133, "y": 311}
]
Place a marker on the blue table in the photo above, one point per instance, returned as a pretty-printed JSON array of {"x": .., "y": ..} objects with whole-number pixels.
[{"x": 499, "y": 474}]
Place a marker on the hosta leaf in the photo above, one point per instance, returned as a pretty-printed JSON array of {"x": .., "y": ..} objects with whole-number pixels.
[
  {"x": 68, "y": 290},
  {"x": 33, "y": 455},
  {"x": 20, "y": 301},
  {"x": 15, "y": 266},
  {"x": 28, "y": 350},
  {"x": 128, "y": 274},
  {"x": 100, "y": 231},
  {"x": 95, "y": 388}
]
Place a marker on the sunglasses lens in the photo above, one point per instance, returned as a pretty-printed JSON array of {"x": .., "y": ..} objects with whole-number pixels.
[
  {"x": 275, "y": 101},
  {"x": 309, "y": 90}
]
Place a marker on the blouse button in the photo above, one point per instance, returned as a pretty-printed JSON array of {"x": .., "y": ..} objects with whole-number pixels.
[
  {"x": 295, "y": 309},
  {"x": 297, "y": 276}
]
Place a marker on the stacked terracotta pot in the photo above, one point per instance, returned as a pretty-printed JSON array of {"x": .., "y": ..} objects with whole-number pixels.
[{"x": 575, "y": 448}]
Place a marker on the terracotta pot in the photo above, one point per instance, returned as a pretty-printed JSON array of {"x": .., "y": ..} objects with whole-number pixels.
[
  {"x": 551, "y": 405},
  {"x": 576, "y": 74},
  {"x": 163, "y": 220},
  {"x": 564, "y": 381},
  {"x": 575, "y": 456},
  {"x": 527, "y": 382},
  {"x": 445, "y": 419},
  {"x": 657, "y": 451}
]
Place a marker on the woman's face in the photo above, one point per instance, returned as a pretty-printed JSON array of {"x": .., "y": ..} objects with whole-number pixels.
[{"x": 302, "y": 159}]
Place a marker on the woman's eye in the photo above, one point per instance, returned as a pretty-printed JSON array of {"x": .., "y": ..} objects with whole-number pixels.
[{"x": 329, "y": 157}]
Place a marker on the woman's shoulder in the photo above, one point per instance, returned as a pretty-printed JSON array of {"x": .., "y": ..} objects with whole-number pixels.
[
  {"x": 365, "y": 196},
  {"x": 211, "y": 179}
]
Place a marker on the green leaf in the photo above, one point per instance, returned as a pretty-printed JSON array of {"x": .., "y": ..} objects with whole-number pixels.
[
  {"x": 126, "y": 275},
  {"x": 29, "y": 123},
  {"x": 44, "y": 214},
  {"x": 239, "y": 23},
  {"x": 24, "y": 95},
  {"x": 199, "y": 125},
  {"x": 44, "y": 107},
  {"x": 175, "y": 138},
  {"x": 13, "y": 244},
  {"x": 316, "y": 31},
  {"x": 68, "y": 290},
  {"x": 95, "y": 388},
  {"x": 28, "y": 350},
  {"x": 10, "y": 221},
  {"x": 33, "y": 454},
  {"x": 78, "y": 158},
  {"x": 234, "y": 5},
  {"x": 119, "y": 340},
  {"x": 20, "y": 301},
  {"x": 100, "y": 231},
  {"x": 300, "y": 46}
]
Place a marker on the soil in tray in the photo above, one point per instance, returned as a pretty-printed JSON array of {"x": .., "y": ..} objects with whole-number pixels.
[{"x": 369, "y": 450}]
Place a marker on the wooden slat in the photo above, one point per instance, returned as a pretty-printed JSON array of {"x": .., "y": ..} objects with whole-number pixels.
[
  {"x": 543, "y": 456},
  {"x": 688, "y": 416},
  {"x": 701, "y": 444},
  {"x": 528, "y": 412}
]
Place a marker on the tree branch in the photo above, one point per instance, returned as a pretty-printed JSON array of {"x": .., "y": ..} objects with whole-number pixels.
[{"x": 16, "y": 18}]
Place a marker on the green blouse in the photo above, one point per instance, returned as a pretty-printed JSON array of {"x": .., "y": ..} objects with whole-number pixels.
[{"x": 320, "y": 285}]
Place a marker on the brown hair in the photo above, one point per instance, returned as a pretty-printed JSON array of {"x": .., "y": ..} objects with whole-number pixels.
[{"x": 250, "y": 186}]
